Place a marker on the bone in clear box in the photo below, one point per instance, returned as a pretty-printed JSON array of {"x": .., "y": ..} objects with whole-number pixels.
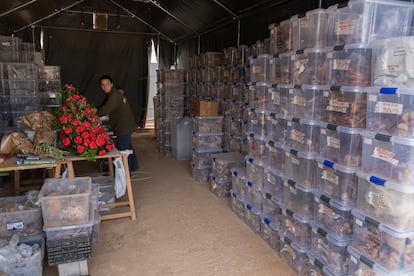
[
  {"x": 296, "y": 228},
  {"x": 298, "y": 198}
]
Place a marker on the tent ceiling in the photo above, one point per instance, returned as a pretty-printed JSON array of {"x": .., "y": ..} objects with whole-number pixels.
[{"x": 172, "y": 19}]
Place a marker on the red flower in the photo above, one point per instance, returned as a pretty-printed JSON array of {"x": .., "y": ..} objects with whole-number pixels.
[
  {"x": 85, "y": 135},
  {"x": 80, "y": 129},
  {"x": 69, "y": 116},
  {"x": 75, "y": 122},
  {"x": 87, "y": 124},
  {"x": 89, "y": 110},
  {"x": 76, "y": 96},
  {"x": 69, "y": 87},
  {"x": 63, "y": 119},
  {"x": 102, "y": 152},
  {"x": 66, "y": 142},
  {"x": 100, "y": 142},
  {"x": 80, "y": 149},
  {"x": 68, "y": 130},
  {"x": 61, "y": 135},
  {"x": 63, "y": 108},
  {"x": 109, "y": 147},
  {"x": 86, "y": 142},
  {"x": 93, "y": 145},
  {"x": 78, "y": 140}
]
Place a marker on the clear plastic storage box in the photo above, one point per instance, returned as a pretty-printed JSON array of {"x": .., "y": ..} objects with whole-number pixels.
[
  {"x": 366, "y": 20},
  {"x": 340, "y": 144},
  {"x": 202, "y": 158},
  {"x": 49, "y": 72},
  {"x": 303, "y": 135},
  {"x": 299, "y": 22},
  {"x": 270, "y": 234},
  {"x": 275, "y": 131},
  {"x": 274, "y": 99},
  {"x": 257, "y": 122},
  {"x": 20, "y": 87},
  {"x": 170, "y": 114},
  {"x": 284, "y": 39},
  {"x": 274, "y": 34},
  {"x": 359, "y": 264},
  {"x": 305, "y": 101},
  {"x": 237, "y": 205},
  {"x": 391, "y": 111},
  {"x": 300, "y": 167},
  {"x": 172, "y": 88},
  {"x": 273, "y": 184},
  {"x": 224, "y": 162},
  {"x": 19, "y": 71},
  {"x": 252, "y": 218},
  {"x": 220, "y": 188},
  {"x": 19, "y": 216},
  {"x": 257, "y": 95},
  {"x": 386, "y": 201},
  {"x": 254, "y": 196},
  {"x": 256, "y": 146},
  {"x": 350, "y": 65},
  {"x": 298, "y": 198},
  {"x": 310, "y": 67},
  {"x": 69, "y": 232},
  {"x": 271, "y": 211},
  {"x": 391, "y": 62},
  {"x": 390, "y": 249},
  {"x": 210, "y": 141},
  {"x": 282, "y": 99},
  {"x": 275, "y": 156},
  {"x": 345, "y": 106},
  {"x": 19, "y": 103},
  {"x": 259, "y": 68},
  {"x": 334, "y": 217},
  {"x": 49, "y": 85},
  {"x": 65, "y": 201},
  {"x": 200, "y": 174},
  {"x": 239, "y": 182},
  {"x": 170, "y": 101},
  {"x": 274, "y": 70},
  {"x": 389, "y": 157},
  {"x": 329, "y": 250},
  {"x": 314, "y": 33},
  {"x": 175, "y": 76},
  {"x": 337, "y": 181},
  {"x": 255, "y": 171},
  {"x": 295, "y": 256},
  {"x": 211, "y": 59},
  {"x": 296, "y": 228},
  {"x": 286, "y": 61}
]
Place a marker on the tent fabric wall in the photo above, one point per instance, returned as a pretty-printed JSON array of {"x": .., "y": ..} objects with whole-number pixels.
[{"x": 85, "y": 56}]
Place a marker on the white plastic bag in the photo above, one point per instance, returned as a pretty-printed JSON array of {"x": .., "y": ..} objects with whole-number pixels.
[{"x": 120, "y": 178}]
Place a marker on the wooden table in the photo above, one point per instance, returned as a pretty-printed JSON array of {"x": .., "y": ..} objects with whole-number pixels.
[
  {"x": 10, "y": 164},
  {"x": 110, "y": 156}
]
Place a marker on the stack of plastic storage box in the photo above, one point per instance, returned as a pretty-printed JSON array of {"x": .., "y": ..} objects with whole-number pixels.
[
  {"x": 207, "y": 140},
  {"x": 383, "y": 220},
  {"x": 21, "y": 227},
  {"x": 172, "y": 91},
  {"x": 221, "y": 175},
  {"x": 69, "y": 209},
  {"x": 49, "y": 84}
]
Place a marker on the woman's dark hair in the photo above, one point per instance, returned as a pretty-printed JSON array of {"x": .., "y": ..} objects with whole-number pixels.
[{"x": 106, "y": 77}]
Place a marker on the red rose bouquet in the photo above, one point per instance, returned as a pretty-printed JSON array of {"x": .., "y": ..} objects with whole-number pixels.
[{"x": 80, "y": 130}]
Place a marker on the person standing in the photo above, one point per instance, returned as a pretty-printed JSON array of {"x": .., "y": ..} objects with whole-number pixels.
[{"x": 121, "y": 118}]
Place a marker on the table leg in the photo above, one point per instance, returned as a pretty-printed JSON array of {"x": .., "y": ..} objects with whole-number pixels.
[
  {"x": 71, "y": 171},
  {"x": 110, "y": 167},
  {"x": 16, "y": 183},
  {"x": 129, "y": 187}
]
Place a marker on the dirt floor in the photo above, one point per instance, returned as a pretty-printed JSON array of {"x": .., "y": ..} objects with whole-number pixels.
[{"x": 181, "y": 228}]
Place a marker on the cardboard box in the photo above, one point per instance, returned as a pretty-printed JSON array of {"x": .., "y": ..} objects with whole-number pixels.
[{"x": 204, "y": 108}]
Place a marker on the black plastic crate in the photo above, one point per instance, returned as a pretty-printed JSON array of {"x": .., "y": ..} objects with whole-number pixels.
[{"x": 69, "y": 250}]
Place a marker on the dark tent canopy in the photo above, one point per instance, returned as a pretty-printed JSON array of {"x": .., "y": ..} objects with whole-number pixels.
[{"x": 179, "y": 29}]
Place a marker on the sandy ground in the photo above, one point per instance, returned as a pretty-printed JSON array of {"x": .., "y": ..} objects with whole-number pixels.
[{"x": 181, "y": 228}]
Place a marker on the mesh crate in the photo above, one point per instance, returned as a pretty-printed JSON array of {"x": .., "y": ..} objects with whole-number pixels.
[
  {"x": 20, "y": 71},
  {"x": 69, "y": 250}
]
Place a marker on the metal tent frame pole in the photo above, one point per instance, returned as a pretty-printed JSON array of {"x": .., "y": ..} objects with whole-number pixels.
[{"x": 17, "y": 8}]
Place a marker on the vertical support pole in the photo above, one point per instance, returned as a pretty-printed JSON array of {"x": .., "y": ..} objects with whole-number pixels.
[
  {"x": 199, "y": 44},
  {"x": 33, "y": 38},
  {"x": 175, "y": 55},
  {"x": 238, "y": 33},
  {"x": 158, "y": 50}
]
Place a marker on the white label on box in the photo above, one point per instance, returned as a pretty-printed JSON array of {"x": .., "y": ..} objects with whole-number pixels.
[
  {"x": 293, "y": 190},
  {"x": 275, "y": 122},
  {"x": 14, "y": 226},
  {"x": 289, "y": 124},
  {"x": 353, "y": 259},
  {"x": 330, "y": 177},
  {"x": 359, "y": 222},
  {"x": 372, "y": 98},
  {"x": 389, "y": 108},
  {"x": 322, "y": 246},
  {"x": 320, "y": 166},
  {"x": 254, "y": 122},
  {"x": 385, "y": 155},
  {"x": 394, "y": 68},
  {"x": 327, "y": 212},
  {"x": 299, "y": 101},
  {"x": 290, "y": 91},
  {"x": 6, "y": 44},
  {"x": 276, "y": 98},
  {"x": 333, "y": 142},
  {"x": 323, "y": 131},
  {"x": 338, "y": 106},
  {"x": 271, "y": 179},
  {"x": 295, "y": 161},
  {"x": 292, "y": 57},
  {"x": 329, "y": 55},
  {"x": 326, "y": 93},
  {"x": 341, "y": 64},
  {"x": 256, "y": 69},
  {"x": 345, "y": 27},
  {"x": 378, "y": 200},
  {"x": 297, "y": 136},
  {"x": 368, "y": 141},
  {"x": 271, "y": 61}
]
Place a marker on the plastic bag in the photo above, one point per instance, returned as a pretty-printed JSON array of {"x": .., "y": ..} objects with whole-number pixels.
[{"x": 120, "y": 178}]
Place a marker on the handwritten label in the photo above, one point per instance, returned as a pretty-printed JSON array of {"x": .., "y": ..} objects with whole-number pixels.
[
  {"x": 338, "y": 106},
  {"x": 345, "y": 27},
  {"x": 330, "y": 177},
  {"x": 256, "y": 69},
  {"x": 333, "y": 142},
  {"x": 385, "y": 155},
  {"x": 378, "y": 200},
  {"x": 297, "y": 100},
  {"x": 341, "y": 64},
  {"x": 275, "y": 97},
  {"x": 297, "y": 136},
  {"x": 323, "y": 246},
  {"x": 389, "y": 108}
]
